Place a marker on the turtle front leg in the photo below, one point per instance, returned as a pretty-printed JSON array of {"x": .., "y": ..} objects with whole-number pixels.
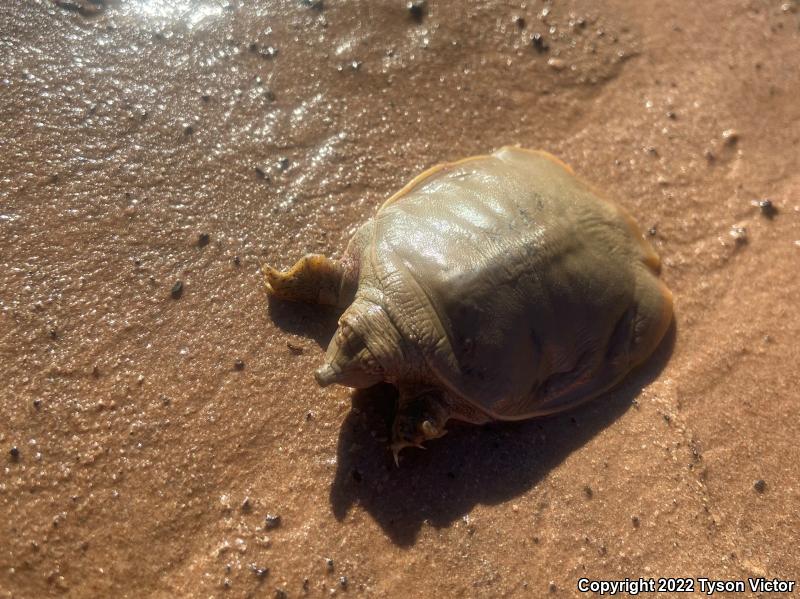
[
  {"x": 314, "y": 279},
  {"x": 421, "y": 415}
]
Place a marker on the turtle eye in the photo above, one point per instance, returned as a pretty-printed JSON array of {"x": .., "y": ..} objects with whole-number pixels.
[{"x": 345, "y": 329}]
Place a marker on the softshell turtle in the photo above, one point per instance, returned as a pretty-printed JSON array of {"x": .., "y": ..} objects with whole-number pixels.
[{"x": 498, "y": 287}]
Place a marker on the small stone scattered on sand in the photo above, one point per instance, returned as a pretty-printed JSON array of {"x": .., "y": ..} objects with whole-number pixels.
[
  {"x": 767, "y": 208},
  {"x": 272, "y": 521},
  {"x": 538, "y": 43},
  {"x": 260, "y": 572},
  {"x": 294, "y": 348},
  {"x": 739, "y": 234},
  {"x": 177, "y": 290},
  {"x": 760, "y": 485},
  {"x": 268, "y": 52},
  {"x": 730, "y": 136},
  {"x": 416, "y": 9}
]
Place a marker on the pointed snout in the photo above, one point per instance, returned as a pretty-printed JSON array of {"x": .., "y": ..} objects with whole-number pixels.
[{"x": 325, "y": 375}]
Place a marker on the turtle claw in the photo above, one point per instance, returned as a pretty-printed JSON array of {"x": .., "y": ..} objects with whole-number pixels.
[{"x": 398, "y": 446}]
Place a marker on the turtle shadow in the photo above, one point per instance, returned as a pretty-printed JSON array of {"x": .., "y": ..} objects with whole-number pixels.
[
  {"x": 314, "y": 321},
  {"x": 470, "y": 465}
]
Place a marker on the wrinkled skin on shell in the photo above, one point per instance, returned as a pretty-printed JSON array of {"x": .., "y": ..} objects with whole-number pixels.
[{"x": 498, "y": 287}]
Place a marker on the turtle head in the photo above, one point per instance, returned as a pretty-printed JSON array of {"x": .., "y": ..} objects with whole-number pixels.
[
  {"x": 356, "y": 356},
  {"x": 349, "y": 361}
]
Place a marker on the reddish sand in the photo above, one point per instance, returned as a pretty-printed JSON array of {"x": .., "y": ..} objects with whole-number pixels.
[{"x": 147, "y": 461}]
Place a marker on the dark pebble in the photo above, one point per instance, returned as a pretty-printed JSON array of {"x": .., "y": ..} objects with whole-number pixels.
[
  {"x": 520, "y": 22},
  {"x": 259, "y": 572},
  {"x": 203, "y": 239},
  {"x": 739, "y": 235},
  {"x": 416, "y": 9},
  {"x": 237, "y": 261},
  {"x": 271, "y": 521},
  {"x": 635, "y": 521},
  {"x": 329, "y": 564},
  {"x": 177, "y": 290},
  {"x": 552, "y": 587},
  {"x": 283, "y": 163},
  {"x": 67, "y": 5},
  {"x": 652, "y": 231},
  {"x": 587, "y": 490},
  {"x": 247, "y": 505},
  {"x": 306, "y": 584},
  {"x": 262, "y": 174},
  {"x": 315, "y": 4},
  {"x": 188, "y": 130},
  {"x": 53, "y": 334},
  {"x": 730, "y": 137},
  {"x": 37, "y": 403},
  {"x": 238, "y": 365},
  {"x": 760, "y": 485},
  {"x": 280, "y": 594},
  {"x": 767, "y": 208},
  {"x": 539, "y": 44},
  {"x": 14, "y": 453},
  {"x": 343, "y": 582}
]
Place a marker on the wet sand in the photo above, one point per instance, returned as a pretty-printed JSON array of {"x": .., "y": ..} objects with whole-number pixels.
[{"x": 151, "y": 436}]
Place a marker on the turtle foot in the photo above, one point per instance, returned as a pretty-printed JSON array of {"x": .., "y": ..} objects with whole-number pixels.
[
  {"x": 421, "y": 416},
  {"x": 314, "y": 279}
]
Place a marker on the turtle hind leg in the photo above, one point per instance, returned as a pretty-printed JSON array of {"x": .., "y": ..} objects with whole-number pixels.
[{"x": 314, "y": 279}]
